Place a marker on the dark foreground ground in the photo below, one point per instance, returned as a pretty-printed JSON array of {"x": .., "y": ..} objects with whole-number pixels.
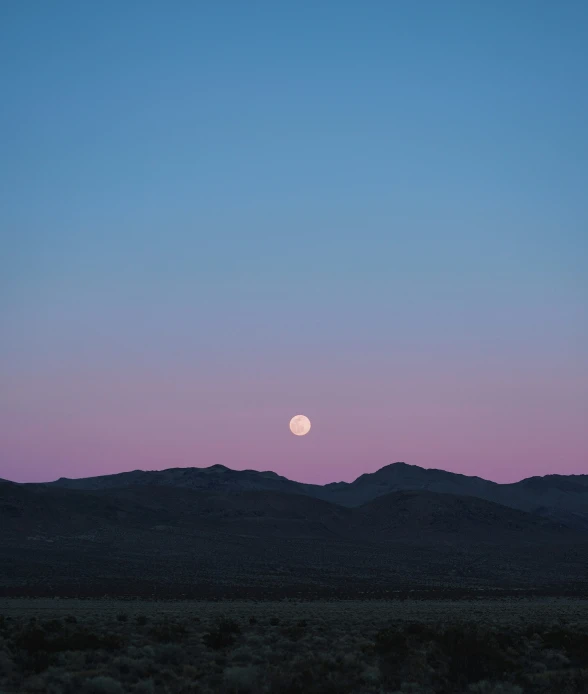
[{"x": 475, "y": 646}]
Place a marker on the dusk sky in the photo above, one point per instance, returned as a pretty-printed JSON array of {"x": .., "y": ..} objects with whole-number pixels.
[{"x": 217, "y": 215}]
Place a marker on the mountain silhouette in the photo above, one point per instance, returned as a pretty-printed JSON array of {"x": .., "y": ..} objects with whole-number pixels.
[
  {"x": 563, "y": 498},
  {"x": 235, "y": 530}
]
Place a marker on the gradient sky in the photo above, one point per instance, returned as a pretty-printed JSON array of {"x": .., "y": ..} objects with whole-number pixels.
[{"x": 216, "y": 215}]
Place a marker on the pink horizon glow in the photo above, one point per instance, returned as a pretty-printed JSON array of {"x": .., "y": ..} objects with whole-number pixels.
[{"x": 501, "y": 428}]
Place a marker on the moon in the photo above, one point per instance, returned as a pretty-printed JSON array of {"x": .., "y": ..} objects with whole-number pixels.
[{"x": 300, "y": 425}]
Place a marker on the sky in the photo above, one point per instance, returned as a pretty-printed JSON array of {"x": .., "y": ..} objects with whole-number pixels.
[{"x": 217, "y": 215}]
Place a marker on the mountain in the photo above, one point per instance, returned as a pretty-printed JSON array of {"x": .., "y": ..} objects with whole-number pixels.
[
  {"x": 216, "y": 477},
  {"x": 49, "y": 511},
  {"x": 423, "y": 516},
  {"x": 401, "y": 477},
  {"x": 141, "y": 538},
  {"x": 563, "y": 498}
]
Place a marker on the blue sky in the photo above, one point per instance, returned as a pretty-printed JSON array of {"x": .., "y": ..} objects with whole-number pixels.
[{"x": 190, "y": 187}]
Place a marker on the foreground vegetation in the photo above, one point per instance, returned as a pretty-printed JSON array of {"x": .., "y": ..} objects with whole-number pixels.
[{"x": 371, "y": 647}]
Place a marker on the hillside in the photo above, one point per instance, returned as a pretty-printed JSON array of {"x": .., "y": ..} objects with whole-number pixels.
[
  {"x": 563, "y": 498},
  {"x": 145, "y": 537}
]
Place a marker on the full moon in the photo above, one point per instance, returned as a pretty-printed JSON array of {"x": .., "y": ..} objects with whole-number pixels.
[{"x": 300, "y": 425}]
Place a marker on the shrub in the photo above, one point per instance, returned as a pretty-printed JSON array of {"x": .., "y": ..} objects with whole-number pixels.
[
  {"x": 168, "y": 632},
  {"x": 169, "y": 654},
  {"x": 391, "y": 642},
  {"x": 230, "y": 626},
  {"x": 241, "y": 680},
  {"x": 471, "y": 654},
  {"x": 144, "y": 687},
  {"x": 33, "y": 639},
  {"x": 34, "y": 662},
  {"x": 102, "y": 685},
  {"x": 122, "y": 617},
  {"x": 294, "y": 632},
  {"x": 574, "y": 643},
  {"x": 223, "y": 634},
  {"x": 486, "y": 687},
  {"x": 6, "y": 664},
  {"x": 52, "y": 626}
]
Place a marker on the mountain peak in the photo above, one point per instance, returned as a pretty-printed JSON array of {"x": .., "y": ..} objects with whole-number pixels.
[
  {"x": 398, "y": 465},
  {"x": 217, "y": 468}
]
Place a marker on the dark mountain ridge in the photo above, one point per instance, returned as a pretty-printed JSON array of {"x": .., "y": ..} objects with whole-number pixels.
[
  {"x": 48, "y": 510},
  {"x": 168, "y": 535},
  {"x": 563, "y": 498}
]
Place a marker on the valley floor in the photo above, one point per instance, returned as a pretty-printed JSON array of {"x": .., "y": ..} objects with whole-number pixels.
[{"x": 481, "y": 646}]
